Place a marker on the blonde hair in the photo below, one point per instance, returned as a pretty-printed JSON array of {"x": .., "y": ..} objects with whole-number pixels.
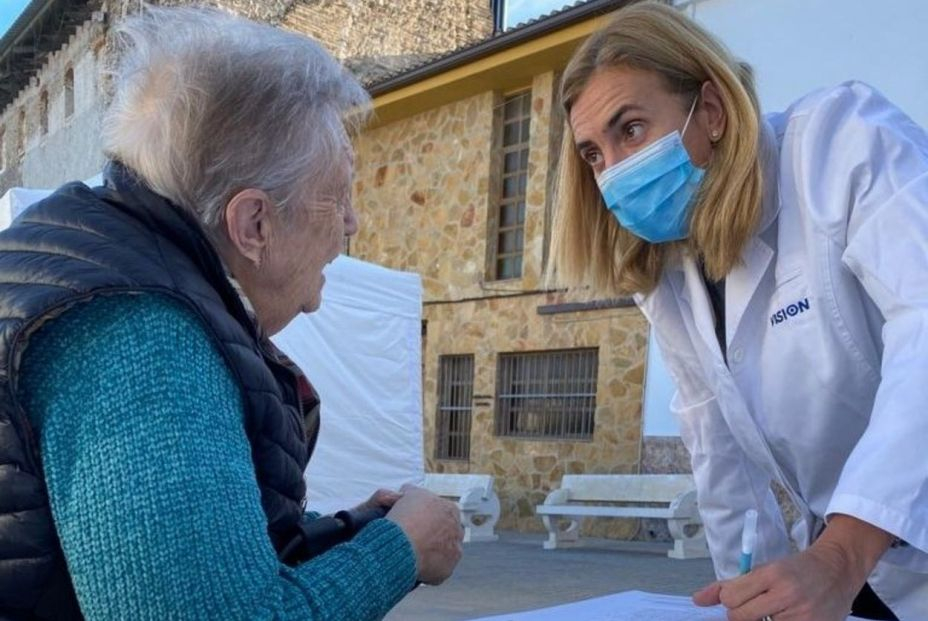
[{"x": 589, "y": 247}]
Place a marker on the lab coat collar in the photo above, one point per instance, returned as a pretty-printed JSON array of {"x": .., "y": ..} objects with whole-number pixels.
[
  {"x": 769, "y": 154},
  {"x": 742, "y": 282},
  {"x": 685, "y": 277}
]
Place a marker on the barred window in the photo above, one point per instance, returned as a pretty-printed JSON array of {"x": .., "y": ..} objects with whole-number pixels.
[
  {"x": 69, "y": 93},
  {"x": 548, "y": 394},
  {"x": 43, "y": 112},
  {"x": 455, "y": 399},
  {"x": 507, "y": 242},
  {"x": 21, "y": 136}
]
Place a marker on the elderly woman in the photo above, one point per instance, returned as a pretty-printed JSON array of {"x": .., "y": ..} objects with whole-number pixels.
[
  {"x": 781, "y": 261},
  {"x": 152, "y": 448}
]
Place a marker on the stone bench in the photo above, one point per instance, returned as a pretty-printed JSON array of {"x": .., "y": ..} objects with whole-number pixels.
[
  {"x": 476, "y": 499},
  {"x": 664, "y": 496}
]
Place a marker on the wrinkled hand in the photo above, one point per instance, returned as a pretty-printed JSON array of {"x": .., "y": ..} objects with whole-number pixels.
[
  {"x": 381, "y": 499},
  {"x": 819, "y": 584},
  {"x": 433, "y": 526}
]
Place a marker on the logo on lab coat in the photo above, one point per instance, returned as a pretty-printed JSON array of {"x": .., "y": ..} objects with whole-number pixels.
[{"x": 790, "y": 311}]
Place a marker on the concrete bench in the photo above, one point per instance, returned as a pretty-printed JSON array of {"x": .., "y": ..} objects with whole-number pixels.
[
  {"x": 476, "y": 499},
  {"x": 665, "y": 496}
]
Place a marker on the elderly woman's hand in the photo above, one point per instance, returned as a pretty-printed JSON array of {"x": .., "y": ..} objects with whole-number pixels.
[
  {"x": 433, "y": 526},
  {"x": 381, "y": 499}
]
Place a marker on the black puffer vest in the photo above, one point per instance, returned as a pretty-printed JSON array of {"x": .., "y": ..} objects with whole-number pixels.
[{"x": 79, "y": 243}]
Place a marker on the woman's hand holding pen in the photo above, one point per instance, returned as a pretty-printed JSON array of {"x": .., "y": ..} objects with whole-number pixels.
[
  {"x": 819, "y": 584},
  {"x": 810, "y": 586}
]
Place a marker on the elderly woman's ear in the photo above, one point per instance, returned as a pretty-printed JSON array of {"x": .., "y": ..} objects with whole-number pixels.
[{"x": 248, "y": 226}]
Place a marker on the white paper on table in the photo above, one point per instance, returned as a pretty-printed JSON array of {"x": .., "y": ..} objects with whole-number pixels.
[{"x": 627, "y": 606}]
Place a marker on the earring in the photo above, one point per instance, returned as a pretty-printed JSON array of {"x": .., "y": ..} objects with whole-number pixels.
[{"x": 715, "y": 135}]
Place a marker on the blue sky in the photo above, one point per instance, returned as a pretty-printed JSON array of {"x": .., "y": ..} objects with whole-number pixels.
[
  {"x": 9, "y": 11},
  {"x": 518, "y": 11}
]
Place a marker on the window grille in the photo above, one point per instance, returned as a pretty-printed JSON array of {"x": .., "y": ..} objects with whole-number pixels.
[
  {"x": 69, "y": 93},
  {"x": 455, "y": 400},
  {"x": 510, "y": 216},
  {"x": 43, "y": 113},
  {"x": 548, "y": 394}
]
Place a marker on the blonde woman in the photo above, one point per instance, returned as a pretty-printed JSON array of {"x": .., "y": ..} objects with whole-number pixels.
[{"x": 782, "y": 262}]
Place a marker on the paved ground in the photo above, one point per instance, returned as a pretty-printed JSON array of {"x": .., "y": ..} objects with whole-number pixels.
[{"x": 515, "y": 573}]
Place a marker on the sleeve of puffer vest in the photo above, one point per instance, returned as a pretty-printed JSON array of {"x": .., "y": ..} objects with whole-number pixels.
[{"x": 151, "y": 482}]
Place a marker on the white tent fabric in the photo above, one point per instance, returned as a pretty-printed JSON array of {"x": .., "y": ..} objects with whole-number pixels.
[
  {"x": 15, "y": 201},
  {"x": 362, "y": 352}
]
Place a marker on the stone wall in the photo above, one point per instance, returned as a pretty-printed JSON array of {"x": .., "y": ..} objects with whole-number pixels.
[
  {"x": 376, "y": 37},
  {"x": 527, "y": 469},
  {"x": 371, "y": 36},
  {"x": 424, "y": 190},
  {"x": 69, "y": 147},
  {"x": 422, "y": 194}
]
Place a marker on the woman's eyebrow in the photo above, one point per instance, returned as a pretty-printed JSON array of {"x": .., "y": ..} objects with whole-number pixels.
[{"x": 617, "y": 116}]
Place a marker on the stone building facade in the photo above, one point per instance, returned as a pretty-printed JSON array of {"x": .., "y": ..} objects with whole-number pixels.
[
  {"x": 376, "y": 37},
  {"x": 428, "y": 182},
  {"x": 429, "y": 176},
  {"x": 49, "y": 130}
]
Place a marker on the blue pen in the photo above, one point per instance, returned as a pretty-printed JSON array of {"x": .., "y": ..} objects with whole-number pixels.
[{"x": 748, "y": 539}]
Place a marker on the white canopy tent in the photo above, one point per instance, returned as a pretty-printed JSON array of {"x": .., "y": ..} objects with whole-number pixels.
[
  {"x": 15, "y": 201},
  {"x": 362, "y": 352}
]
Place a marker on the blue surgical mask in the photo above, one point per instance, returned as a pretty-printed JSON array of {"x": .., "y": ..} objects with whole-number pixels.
[{"x": 651, "y": 192}]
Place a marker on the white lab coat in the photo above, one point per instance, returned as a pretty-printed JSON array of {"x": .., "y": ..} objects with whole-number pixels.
[{"x": 826, "y": 388}]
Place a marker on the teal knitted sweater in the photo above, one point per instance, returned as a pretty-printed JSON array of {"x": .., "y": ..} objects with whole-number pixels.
[{"x": 151, "y": 483}]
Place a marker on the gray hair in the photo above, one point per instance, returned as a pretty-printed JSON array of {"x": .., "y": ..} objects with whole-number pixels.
[{"x": 207, "y": 104}]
